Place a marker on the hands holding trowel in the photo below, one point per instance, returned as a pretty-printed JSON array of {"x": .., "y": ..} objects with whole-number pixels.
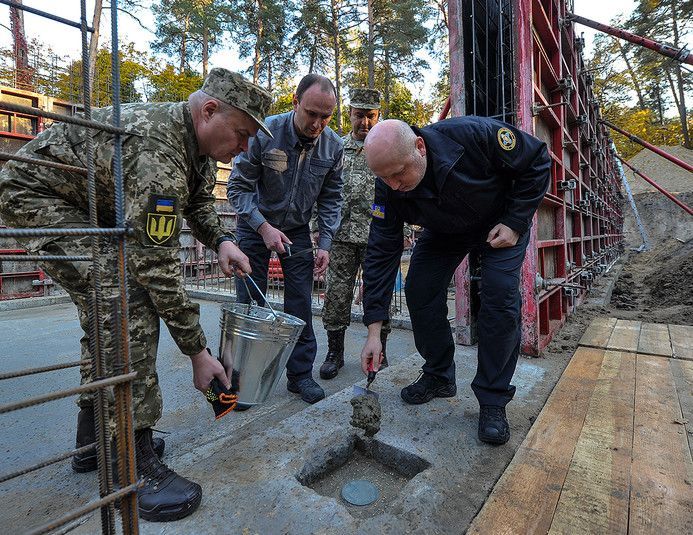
[{"x": 372, "y": 353}]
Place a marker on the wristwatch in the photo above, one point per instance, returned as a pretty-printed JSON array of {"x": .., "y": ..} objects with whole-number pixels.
[{"x": 223, "y": 239}]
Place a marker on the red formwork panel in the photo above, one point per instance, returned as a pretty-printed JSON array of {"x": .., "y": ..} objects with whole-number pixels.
[
  {"x": 577, "y": 231},
  {"x": 579, "y": 223}
]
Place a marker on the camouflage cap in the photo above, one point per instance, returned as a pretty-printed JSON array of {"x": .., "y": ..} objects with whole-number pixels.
[
  {"x": 233, "y": 89},
  {"x": 364, "y": 98}
]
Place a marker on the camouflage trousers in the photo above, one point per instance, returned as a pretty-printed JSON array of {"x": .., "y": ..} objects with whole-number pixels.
[
  {"x": 345, "y": 260},
  {"x": 22, "y": 208}
]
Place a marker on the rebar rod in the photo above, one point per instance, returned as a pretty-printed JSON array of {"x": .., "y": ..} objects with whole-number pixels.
[
  {"x": 125, "y": 436},
  {"x": 6, "y": 157},
  {"x": 59, "y": 394},
  {"x": 87, "y": 122},
  {"x": 45, "y": 232},
  {"x": 44, "y": 14},
  {"x": 47, "y": 462},
  {"x": 43, "y": 258},
  {"x": 42, "y": 369},
  {"x": 88, "y": 508}
]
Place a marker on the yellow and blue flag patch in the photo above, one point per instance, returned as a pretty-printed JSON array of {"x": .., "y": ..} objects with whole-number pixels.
[{"x": 161, "y": 221}]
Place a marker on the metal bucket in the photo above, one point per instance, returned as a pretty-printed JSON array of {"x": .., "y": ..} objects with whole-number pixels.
[{"x": 254, "y": 347}]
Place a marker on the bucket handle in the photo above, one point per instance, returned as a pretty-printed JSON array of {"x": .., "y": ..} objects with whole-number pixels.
[{"x": 260, "y": 292}]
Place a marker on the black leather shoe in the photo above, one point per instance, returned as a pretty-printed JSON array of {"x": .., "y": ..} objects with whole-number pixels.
[
  {"x": 86, "y": 434},
  {"x": 427, "y": 387},
  {"x": 311, "y": 392},
  {"x": 165, "y": 496},
  {"x": 335, "y": 355},
  {"x": 493, "y": 425}
]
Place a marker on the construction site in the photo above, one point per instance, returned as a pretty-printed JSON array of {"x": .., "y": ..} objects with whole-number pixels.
[{"x": 602, "y": 419}]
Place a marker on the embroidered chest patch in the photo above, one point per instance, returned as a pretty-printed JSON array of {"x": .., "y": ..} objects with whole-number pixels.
[{"x": 506, "y": 139}]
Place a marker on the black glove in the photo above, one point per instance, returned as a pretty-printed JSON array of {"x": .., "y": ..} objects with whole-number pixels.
[{"x": 223, "y": 401}]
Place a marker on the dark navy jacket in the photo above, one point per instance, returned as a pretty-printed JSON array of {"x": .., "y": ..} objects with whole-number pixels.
[{"x": 480, "y": 172}]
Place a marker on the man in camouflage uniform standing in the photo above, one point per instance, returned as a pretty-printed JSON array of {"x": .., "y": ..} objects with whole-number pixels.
[
  {"x": 169, "y": 150},
  {"x": 349, "y": 244}
]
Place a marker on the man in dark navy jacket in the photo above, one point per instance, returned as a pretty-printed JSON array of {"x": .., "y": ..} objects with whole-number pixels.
[{"x": 474, "y": 184}]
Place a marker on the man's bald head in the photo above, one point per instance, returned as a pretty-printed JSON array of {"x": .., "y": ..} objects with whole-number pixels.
[{"x": 396, "y": 154}]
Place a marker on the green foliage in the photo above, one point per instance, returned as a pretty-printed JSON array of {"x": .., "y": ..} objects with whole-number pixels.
[
  {"x": 167, "y": 85},
  {"x": 642, "y": 123}
]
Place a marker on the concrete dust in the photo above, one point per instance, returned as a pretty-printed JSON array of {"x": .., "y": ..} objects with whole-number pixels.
[{"x": 366, "y": 413}]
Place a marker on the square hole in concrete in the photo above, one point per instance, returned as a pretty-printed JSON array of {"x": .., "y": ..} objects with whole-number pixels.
[{"x": 387, "y": 467}]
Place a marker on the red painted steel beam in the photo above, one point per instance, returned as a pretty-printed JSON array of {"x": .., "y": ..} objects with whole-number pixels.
[
  {"x": 649, "y": 146},
  {"x": 660, "y": 188},
  {"x": 679, "y": 54}
]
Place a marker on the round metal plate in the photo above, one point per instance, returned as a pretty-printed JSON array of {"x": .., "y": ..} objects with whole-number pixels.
[{"x": 360, "y": 492}]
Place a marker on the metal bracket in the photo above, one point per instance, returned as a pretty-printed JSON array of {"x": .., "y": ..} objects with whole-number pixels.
[
  {"x": 565, "y": 185},
  {"x": 538, "y": 108}
]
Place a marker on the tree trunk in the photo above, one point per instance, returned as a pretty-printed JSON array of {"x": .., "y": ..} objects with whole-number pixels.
[
  {"x": 258, "y": 42},
  {"x": 94, "y": 43},
  {"x": 681, "y": 101},
  {"x": 631, "y": 73},
  {"x": 371, "y": 51},
  {"x": 337, "y": 62},
  {"x": 269, "y": 73},
  {"x": 388, "y": 81},
  {"x": 184, "y": 45},
  {"x": 205, "y": 51}
]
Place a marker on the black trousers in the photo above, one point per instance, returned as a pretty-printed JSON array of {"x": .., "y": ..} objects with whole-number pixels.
[
  {"x": 298, "y": 286},
  {"x": 432, "y": 266}
]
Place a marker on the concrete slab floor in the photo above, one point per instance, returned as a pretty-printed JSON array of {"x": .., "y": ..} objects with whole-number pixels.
[{"x": 249, "y": 463}]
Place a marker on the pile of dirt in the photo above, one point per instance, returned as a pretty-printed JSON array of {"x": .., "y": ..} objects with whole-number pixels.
[
  {"x": 667, "y": 174},
  {"x": 654, "y": 285},
  {"x": 661, "y": 218}
]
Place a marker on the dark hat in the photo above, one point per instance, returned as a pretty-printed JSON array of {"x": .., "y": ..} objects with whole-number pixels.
[
  {"x": 364, "y": 98},
  {"x": 233, "y": 89}
]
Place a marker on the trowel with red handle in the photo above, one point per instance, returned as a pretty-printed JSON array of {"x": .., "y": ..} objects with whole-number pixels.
[{"x": 360, "y": 391}]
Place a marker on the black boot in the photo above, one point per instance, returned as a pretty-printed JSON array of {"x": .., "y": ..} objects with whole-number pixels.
[
  {"x": 86, "y": 434},
  {"x": 335, "y": 354},
  {"x": 493, "y": 425},
  {"x": 383, "y": 340},
  {"x": 165, "y": 496}
]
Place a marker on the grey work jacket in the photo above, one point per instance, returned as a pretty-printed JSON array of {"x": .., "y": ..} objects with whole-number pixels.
[{"x": 279, "y": 180}]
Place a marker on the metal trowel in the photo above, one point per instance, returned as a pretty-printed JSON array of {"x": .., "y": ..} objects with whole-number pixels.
[{"x": 360, "y": 391}]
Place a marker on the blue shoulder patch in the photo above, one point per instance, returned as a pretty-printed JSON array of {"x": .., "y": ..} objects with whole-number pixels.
[{"x": 378, "y": 210}]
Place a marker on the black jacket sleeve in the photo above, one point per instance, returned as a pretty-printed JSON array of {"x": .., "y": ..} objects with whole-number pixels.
[
  {"x": 525, "y": 160},
  {"x": 385, "y": 245}
]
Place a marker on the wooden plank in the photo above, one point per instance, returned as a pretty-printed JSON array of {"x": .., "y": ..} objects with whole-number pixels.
[
  {"x": 625, "y": 336},
  {"x": 654, "y": 340},
  {"x": 595, "y": 495},
  {"x": 524, "y": 499},
  {"x": 682, "y": 341},
  {"x": 598, "y": 332},
  {"x": 662, "y": 471}
]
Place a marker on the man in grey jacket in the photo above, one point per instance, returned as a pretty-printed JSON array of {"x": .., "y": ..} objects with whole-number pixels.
[{"x": 273, "y": 187}]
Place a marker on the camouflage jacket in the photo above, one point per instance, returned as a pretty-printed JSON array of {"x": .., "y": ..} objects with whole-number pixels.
[
  {"x": 165, "y": 180},
  {"x": 357, "y": 195}
]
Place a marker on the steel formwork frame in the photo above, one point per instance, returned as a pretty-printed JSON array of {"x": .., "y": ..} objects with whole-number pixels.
[
  {"x": 577, "y": 231},
  {"x": 119, "y": 377}
]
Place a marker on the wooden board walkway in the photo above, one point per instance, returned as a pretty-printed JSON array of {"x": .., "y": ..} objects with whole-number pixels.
[{"x": 610, "y": 451}]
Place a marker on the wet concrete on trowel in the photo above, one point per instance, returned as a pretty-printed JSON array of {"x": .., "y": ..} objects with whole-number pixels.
[{"x": 366, "y": 413}]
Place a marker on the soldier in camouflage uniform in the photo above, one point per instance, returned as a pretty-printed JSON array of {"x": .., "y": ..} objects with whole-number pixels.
[
  {"x": 349, "y": 244},
  {"x": 169, "y": 154}
]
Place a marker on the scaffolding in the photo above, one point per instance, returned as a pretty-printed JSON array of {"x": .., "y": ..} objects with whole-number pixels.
[{"x": 118, "y": 376}]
